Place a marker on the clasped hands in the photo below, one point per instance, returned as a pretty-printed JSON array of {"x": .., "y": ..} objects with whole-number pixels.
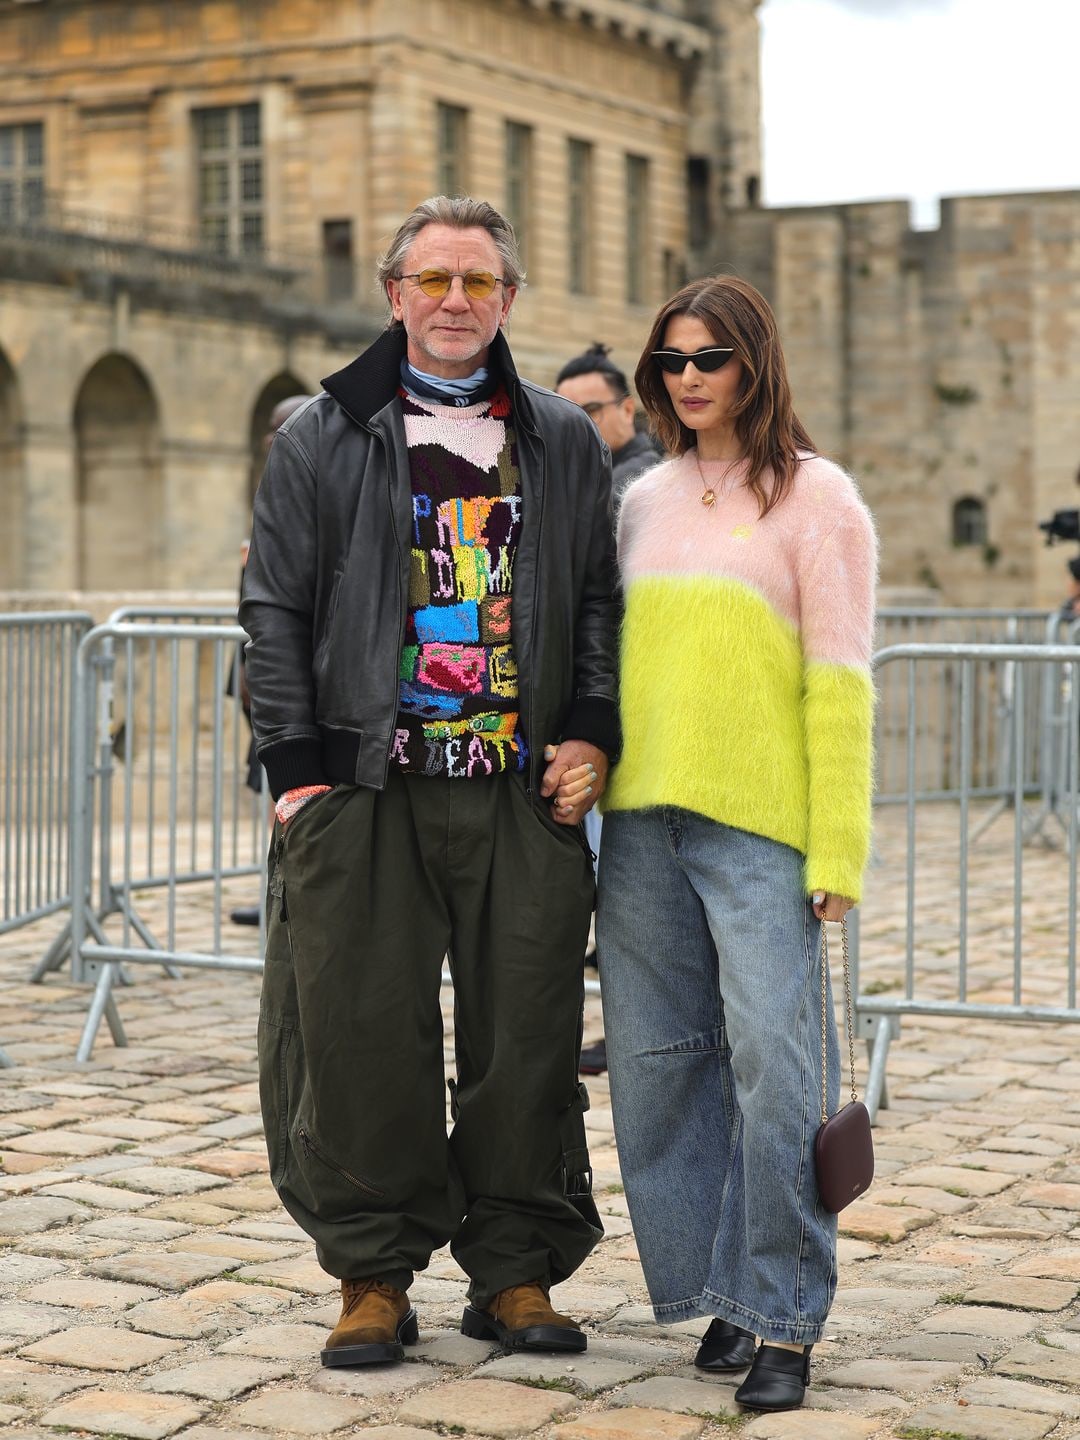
[{"x": 576, "y": 775}]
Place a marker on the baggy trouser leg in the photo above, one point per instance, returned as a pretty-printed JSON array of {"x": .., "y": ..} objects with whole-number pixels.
[
  {"x": 521, "y": 921},
  {"x": 350, "y": 1037}
]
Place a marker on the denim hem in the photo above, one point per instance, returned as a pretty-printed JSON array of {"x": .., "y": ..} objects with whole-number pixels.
[{"x": 710, "y": 1306}]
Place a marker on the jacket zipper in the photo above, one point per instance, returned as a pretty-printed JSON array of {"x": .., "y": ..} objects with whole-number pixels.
[
  {"x": 536, "y": 593},
  {"x": 310, "y": 1148}
]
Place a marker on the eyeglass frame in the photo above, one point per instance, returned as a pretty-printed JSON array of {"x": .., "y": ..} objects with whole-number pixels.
[{"x": 451, "y": 276}]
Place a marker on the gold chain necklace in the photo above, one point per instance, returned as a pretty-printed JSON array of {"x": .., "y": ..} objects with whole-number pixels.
[{"x": 708, "y": 492}]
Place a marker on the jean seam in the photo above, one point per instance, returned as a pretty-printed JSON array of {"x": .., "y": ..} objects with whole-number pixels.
[{"x": 801, "y": 1027}]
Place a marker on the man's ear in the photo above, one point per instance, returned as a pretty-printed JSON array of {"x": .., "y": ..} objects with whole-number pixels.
[
  {"x": 393, "y": 294},
  {"x": 509, "y": 296}
]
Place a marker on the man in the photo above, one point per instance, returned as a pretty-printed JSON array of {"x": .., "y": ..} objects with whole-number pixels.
[
  {"x": 596, "y": 384},
  {"x": 431, "y": 603}
]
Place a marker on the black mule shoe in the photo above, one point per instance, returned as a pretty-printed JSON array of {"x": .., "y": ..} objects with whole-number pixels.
[
  {"x": 777, "y": 1380},
  {"x": 724, "y": 1347}
]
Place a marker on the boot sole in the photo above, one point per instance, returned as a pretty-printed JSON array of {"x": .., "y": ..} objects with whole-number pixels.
[
  {"x": 376, "y": 1352},
  {"x": 478, "y": 1325}
]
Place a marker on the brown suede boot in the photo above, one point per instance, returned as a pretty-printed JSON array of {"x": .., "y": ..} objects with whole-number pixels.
[
  {"x": 521, "y": 1318},
  {"x": 376, "y": 1321}
]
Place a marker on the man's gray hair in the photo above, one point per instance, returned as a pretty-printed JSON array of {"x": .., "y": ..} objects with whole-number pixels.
[{"x": 463, "y": 213}]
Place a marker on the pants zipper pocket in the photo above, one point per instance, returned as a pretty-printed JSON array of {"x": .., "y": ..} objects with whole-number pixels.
[{"x": 310, "y": 1148}]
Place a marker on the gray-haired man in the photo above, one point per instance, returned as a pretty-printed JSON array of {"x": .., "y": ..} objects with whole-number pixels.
[{"x": 431, "y": 604}]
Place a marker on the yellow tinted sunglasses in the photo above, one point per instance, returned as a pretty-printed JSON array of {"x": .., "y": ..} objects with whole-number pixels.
[{"x": 478, "y": 284}]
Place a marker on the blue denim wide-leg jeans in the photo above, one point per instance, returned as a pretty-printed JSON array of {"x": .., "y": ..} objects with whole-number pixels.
[{"x": 710, "y": 971}]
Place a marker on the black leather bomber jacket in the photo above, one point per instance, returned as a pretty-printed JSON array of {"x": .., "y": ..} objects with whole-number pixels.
[{"x": 326, "y": 586}]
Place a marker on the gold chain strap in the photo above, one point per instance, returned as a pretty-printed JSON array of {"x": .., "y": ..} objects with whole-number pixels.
[{"x": 824, "y": 1012}]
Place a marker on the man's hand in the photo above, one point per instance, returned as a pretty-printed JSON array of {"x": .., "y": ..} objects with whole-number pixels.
[
  {"x": 831, "y": 907},
  {"x": 576, "y": 776}
]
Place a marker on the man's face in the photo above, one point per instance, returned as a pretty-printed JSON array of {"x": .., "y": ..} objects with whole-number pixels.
[
  {"x": 613, "y": 418},
  {"x": 450, "y": 336}
]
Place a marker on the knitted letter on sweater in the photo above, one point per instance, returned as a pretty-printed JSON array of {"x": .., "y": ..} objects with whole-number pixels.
[{"x": 746, "y": 689}]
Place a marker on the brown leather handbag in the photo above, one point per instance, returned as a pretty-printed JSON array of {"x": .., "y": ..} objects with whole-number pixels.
[{"x": 843, "y": 1145}]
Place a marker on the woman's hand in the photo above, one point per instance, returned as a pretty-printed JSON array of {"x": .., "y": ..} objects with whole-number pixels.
[
  {"x": 830, "y": 907},
  {"x": 576, "y": 774}
]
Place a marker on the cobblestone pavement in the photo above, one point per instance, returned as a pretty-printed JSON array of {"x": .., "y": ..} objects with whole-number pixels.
[{"x": 151, "y": 1285}]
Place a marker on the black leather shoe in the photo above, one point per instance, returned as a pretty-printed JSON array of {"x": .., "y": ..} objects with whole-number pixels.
[
  {"x": 725, "y": 1347},
  {"x": 246, "y": 915},
  {"x": 777, "y": 1380}
]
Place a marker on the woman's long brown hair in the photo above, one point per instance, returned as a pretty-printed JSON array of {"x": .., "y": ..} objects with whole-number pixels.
[{"x": 770, "y": 432}]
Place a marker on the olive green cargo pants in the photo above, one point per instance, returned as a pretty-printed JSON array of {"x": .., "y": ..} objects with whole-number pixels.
[{"x": 368, "y": 891}]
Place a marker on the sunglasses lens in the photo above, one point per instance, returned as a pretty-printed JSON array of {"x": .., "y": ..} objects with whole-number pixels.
[
  {"x": 478, "y": 284},
  {"x": 710, "y": 360},
  {"x": 435, "y": 283}
]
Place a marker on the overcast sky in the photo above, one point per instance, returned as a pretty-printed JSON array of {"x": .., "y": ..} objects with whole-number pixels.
[{"x": 872, "y": 99}]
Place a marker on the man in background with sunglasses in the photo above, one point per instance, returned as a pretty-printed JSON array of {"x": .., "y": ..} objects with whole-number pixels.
[
  {"x": 431, "y": 602},
  {"x": 593, "y": 381}
]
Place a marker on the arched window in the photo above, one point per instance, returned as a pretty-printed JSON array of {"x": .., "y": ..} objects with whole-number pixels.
[
  {"x": 281, "y": 387},
  {"x": 969, "y": 521},
  {"x": 120, "y": 478}
]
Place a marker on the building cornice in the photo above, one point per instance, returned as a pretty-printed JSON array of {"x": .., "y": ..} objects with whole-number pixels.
[{"x": 632, "y": 22}]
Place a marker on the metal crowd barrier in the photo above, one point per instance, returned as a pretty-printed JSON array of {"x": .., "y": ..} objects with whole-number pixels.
[
  {"x": 936, "y": 971},
  {"x": 936, "y": 718},
  {"x": 37, "y": 676},
  {"x": 160, "y": 747}
]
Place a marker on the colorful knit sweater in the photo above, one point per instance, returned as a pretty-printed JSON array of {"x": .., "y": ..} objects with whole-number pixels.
[
  {"x": 458, "y": 691},
  {"x": 746, "y": 692}
]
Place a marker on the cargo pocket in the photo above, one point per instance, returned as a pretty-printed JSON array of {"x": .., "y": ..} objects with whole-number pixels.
[
  {"x": 576, "y": 1171},
  {"x": 277, "y": 1045},
  {"x": 318, "y": 1162}
]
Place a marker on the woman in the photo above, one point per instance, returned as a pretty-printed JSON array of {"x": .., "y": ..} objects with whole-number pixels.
[{"x": 737, "y": 818}]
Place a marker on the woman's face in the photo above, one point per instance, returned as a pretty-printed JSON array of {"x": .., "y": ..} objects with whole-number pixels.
[{"x": 701, "y": 400}]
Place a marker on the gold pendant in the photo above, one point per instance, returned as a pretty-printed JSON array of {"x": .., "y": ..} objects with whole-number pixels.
[{"x": 708, "y": 499}]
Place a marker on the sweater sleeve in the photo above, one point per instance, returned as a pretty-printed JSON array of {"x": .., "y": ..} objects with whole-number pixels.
[{"x": 837, "y": 586}]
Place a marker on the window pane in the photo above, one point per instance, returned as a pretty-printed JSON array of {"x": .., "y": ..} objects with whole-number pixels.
[
  {"x": 34, "y": 146},
  {"x": 213, "y": 129},
  {"x": 7, "y": 147},
  {"x": 451, "y": 121},
  {"x": 579, "y": 216},
  {"x": 214, "y": 184},
  {"x": 637, "y": 228},
  {"x": 251, "y": 233},
  {"x": 249, "y": 126},
  {"x": 7, "y": 200},
  {"x": 251, "y": 180}
]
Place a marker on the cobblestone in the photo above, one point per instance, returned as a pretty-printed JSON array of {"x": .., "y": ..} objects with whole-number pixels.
[
  {"x": 111, "y": 1412},
  {"x": 156, "y": 1225}
]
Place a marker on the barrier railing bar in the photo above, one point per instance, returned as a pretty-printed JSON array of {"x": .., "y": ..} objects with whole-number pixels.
[
  {"x": 909, "y": 959},
  {"x": 1018, "y": 842},
  {"x": 966, "y": 679}
]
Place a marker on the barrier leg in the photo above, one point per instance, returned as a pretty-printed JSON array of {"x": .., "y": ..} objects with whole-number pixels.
[
  {"x": 101, "y": 1005},
  {"x": 54, "y": 956},
  {"x": 146, "y": 936},
  {"x": 875, "y": 1083}
]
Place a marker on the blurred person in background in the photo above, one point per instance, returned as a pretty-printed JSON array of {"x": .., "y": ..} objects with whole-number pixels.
[{"x": 593, "y": 381}]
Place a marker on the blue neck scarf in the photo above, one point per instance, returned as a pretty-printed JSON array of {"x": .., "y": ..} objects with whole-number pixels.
[{"x": 468, "y": 391}]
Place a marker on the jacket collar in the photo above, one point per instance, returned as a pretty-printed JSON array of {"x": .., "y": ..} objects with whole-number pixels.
[{"x": 371, "y": 381}]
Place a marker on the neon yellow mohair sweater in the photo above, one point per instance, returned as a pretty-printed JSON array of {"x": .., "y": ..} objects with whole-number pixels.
[{"x": 745, "y": 686}]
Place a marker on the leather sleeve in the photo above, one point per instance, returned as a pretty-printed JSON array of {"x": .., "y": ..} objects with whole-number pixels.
[
  {"x": 594, "y": 713},
  {"x": 277, "y": 610}
]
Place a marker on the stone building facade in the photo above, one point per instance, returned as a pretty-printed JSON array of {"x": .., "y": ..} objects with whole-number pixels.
[{"x": 193, "y": 194}]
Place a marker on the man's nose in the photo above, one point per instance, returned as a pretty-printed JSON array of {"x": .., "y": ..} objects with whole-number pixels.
[{"x": 456, "y": 299}]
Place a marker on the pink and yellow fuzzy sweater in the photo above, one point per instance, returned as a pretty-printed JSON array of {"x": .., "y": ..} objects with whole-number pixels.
[{"x": 746, "y": 688}]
